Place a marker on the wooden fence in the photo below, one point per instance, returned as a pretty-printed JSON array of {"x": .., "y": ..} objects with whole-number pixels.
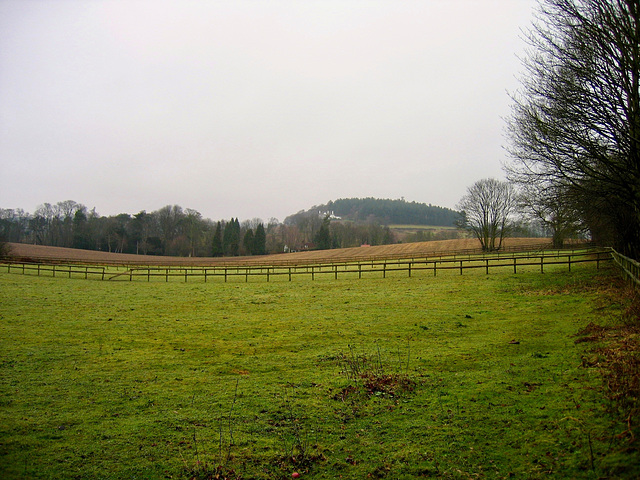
[
  {"x": 409, "y": 266},
  {"x": 630, "y": 268}
]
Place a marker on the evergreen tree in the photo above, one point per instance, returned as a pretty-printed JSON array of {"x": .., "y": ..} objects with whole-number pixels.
[
  {"x": 227, "y": 238},
  {"x": 81, "y": 237},
  {"x": 231, "y": 238},
  {"x": 217, "y": 248},
  {"x": 260, "y": 241},
  {"x": 248, "y": 242},
  {"x": 323, "y": 237}
]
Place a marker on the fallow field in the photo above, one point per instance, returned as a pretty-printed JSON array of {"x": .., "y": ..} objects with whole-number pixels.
[
  {"x": 473, "y": 376},
  {"x": 417, "y": 249}
]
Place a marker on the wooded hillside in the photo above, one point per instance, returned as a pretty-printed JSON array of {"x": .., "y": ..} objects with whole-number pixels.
[{"x": 384, "y": 212}]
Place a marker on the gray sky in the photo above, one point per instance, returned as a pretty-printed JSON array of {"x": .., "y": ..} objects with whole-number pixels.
[{"x": 253, "y": 108}]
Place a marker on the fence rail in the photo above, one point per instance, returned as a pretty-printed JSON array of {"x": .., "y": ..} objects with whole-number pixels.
[
  {"x": 630, "y": 268},
  {"x": 410, "y": 266}
]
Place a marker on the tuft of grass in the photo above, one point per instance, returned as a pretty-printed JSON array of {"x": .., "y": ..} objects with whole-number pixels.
[{"x": 174, "y": 380}]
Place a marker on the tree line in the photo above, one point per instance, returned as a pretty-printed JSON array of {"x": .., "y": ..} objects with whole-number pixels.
[
  {"x": 171, "y": 230},
  {"x": 175, "y": 231},
  {"x": 574, "y": 132}
]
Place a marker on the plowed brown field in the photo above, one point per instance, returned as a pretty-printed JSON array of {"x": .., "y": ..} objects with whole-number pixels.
[{"x": 39, "y": 253}]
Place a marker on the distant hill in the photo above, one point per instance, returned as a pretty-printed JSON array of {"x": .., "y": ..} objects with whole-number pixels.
[{"x": 383, "y": 212}]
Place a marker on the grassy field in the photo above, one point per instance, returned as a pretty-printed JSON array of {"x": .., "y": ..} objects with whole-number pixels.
[
  {"x": 468, "y": 376},
  {"x": 404, "y": 232}
]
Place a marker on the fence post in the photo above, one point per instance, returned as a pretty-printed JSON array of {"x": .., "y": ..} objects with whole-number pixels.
[
  {"x": 359, "y": 270},
  {"x": 166, "y": 275},
  {"x": 569, "y": 262},
  {"x": 335, "y": 268},
  {"x": 487, "y": 265},
  {"x": 225, "y": 275},
  {"x": 148, "y": 274},
  {"x": 542, "y": 264},
  {"x": 384, "y": 270},
  {"x": 289, "y": 273},
  {"x": 409, "y": 269},
  {"x": 312, "y": 272},
  {"x": 185, "y": 275},
  {"x": 514, "y": 264},
  {"x": 460, "y": 267},
  {"x": 434, "y": 268},
  {"x": 103, "y": 268},
  {"x": 54, "y": 271}
]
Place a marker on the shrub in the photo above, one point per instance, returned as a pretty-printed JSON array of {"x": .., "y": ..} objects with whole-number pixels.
[{"x": 5, "y": 249}]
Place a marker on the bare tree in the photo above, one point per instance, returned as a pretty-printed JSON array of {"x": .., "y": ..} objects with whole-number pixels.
[
  {"x": 14, "y": 225},
  {"x": 67, "y": 210},
  {"x": 486, "y": 211},
  {"x": 575, "y": 125},
  {"x": 141, "y": 225},
  {"x": 169, "y": 218},
  {"x": 193, "y": 229},
  {"x": 550, "y": 208}
]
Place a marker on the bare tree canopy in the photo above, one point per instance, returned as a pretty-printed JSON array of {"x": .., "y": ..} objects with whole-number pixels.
[
  {"x": 550, "y": 209},
  {"x": 575, "y": 127},
  {"x": 486, "y": 209}
]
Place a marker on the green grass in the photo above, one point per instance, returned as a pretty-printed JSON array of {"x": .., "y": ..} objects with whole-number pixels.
[{"x": 175, "y": 380}]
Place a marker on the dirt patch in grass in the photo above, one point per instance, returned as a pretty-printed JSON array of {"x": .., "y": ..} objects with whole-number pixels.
[
  {"x": 371, "y": 375},
  {"x": 379, "y": 385},
  {"x": 591, "y": 333}
]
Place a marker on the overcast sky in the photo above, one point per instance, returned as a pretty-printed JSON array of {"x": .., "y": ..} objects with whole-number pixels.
[{"x": 253, "y": 108}]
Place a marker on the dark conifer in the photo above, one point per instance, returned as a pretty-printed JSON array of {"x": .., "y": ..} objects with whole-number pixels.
[
  {"x": 248, "y": 242},
  {"x": 217, "y": 250},
  {"x": 260, "y": 241}
]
